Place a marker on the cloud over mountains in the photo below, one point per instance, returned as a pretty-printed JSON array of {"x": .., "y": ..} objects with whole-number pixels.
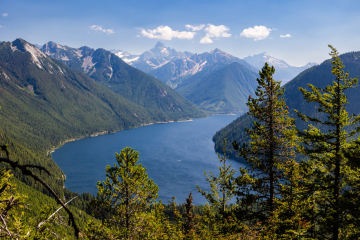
[
  {"x": 257, "y": 32},
  {"x": 166, "y": 33},
  {"x": 213, "y": 31},
  {"x": 99, "y": 28}
]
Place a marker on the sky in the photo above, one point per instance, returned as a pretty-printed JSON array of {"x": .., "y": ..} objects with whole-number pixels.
[{"x": 297, "y": 32}]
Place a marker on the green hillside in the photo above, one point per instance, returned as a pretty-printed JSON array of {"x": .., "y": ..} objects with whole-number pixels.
[
  {"x": 225, "y": 90},
  {"x": 45, "y": 103},
  {"x": 134, "y": 85},
  {"x": 319, "y": 76},
  {"x": 42, "y": 107}
]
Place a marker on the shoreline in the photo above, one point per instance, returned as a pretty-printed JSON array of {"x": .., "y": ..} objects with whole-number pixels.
[
  {"x": 49, "y": 152},
  {"x": 143, "y": 125}
]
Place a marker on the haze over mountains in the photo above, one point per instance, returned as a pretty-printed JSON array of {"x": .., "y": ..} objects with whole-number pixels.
[
  {"x": 195, "y": 76},
  {"x": 283, "y": 71},
  {"x": 224, "y": 90},
  {"x": 173, "y": 67},
  {"x": 319, "y": 76},
  {"x": 134, "y": 85}
]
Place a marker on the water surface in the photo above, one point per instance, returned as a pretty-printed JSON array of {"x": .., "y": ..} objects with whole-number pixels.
[{"x": 175, "y": 155}]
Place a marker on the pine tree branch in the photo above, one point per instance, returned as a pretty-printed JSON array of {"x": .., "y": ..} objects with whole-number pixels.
[{"x": 27, "y": 172}]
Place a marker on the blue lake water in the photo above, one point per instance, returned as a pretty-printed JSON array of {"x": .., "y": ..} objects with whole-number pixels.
[{"x": 175, "y": 155}]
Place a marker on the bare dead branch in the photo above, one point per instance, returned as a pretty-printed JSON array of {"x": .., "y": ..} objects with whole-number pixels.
[
  {"x": 39, "y": 225},
  {"x": 28, "y": 172},
  {"x": 37, "y": 167},
  {"x": 4, "y": 222},
  {"x": 3, "y": 188}
]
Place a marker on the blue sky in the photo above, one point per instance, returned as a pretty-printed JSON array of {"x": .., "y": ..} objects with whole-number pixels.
[{"x": 241, "y": 28}]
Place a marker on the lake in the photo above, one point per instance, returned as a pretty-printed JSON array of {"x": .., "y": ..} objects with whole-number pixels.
[{"x": 175, "y": 155}]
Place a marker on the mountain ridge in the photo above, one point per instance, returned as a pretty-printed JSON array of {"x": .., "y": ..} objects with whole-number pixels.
[
  {"x": 319, "y": 76},
  {"x": 134, "y": 85},
  {"x": 284, "y": 72},
  {"x": 224, "y": 90}
]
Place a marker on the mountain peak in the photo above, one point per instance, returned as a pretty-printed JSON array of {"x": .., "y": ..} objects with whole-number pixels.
[
  {"x": 23, "y": 46},
  {"x": 216, "y": 50},
  {"x": 160, "y": 45}
]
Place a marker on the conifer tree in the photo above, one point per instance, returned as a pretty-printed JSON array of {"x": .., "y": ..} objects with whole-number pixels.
[
  {"x": 124, "y": 199},
  {"x": 326, "y": 149},
  {"x": 218, "y": 211},
  {"x": 273, "y": 143},
  {"x": 189, "y": 225}
]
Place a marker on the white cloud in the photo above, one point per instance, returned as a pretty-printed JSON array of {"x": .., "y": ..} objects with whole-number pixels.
[
  {"x": 5, "y": 14},
  {"x": 1, "y": 26},
  {"x": 257, "y": 32},
  {"x": 206, "y": 39},
  {"x": 195, "y": 28},
  {"x": 213, "y": 31},
  {"x": 285, "y": 36},
  {"x": 98, "y": 28},
  {"x": 166, "y": 33}
]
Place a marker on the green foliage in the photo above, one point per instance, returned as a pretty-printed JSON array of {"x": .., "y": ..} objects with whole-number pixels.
[
  {"x": 124, "y": 197},
  {"x": 333, "y": 177},
  {"x": 273, "y": 143},
  {"x": 43, "y": 108},
  {"x": 130, "y": 83},
  {"x": 218, "y": 216},
  {"x": 319, "y": 76}
]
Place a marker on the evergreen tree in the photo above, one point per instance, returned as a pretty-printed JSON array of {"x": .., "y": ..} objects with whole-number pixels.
[
  {"x": 218, "y": 216},
  {"x": 273, "y": 143},
  {"x": 333, "y": 176},
  {"x": 124, "y": 199},
  {"x": 189, "y": 225}
]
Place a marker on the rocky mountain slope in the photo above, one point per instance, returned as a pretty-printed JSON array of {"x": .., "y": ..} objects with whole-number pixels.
[
  {"x": 134, "y": 85},
  {"x": 224, "y": 90},
  {"x": 173, "y": 67},
  {"x": 283, "y": 71}
]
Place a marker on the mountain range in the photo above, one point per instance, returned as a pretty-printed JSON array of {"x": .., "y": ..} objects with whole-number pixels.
[
  {"x": 283, "y": 71},
  {"x": 319, "y": 76},
  {"x": 173, "y": 67},
  {"x": 45, "y": 103},
  {"x": 224, "y": 90},
  {"x": 134, "y": 85},
  {"x": 182, "y": 71}
]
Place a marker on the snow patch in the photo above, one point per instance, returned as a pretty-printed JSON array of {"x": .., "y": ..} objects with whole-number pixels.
[
  {"x": 36, "y": 54},
  {"x": 129, "y": 60}
]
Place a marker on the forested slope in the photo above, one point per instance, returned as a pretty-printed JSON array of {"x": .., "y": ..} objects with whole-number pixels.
[
  {"x": 45, "y": 103},
  {"x": 319, "y": 76},
  {"x": 132, "y": 84},
  {"x": 225, "y": 90}
]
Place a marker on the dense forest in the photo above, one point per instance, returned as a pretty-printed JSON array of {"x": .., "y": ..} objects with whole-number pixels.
[
  {"x": 319, "y": 76},
  {"x": 275, "y": 197}
]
